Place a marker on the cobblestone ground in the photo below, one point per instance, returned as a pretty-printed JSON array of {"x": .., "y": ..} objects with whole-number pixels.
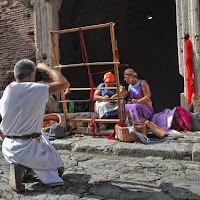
[{"x": 99, "y": 177}]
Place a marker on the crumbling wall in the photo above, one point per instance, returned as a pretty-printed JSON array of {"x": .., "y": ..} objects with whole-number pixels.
[{"x": 16, "y": 33}]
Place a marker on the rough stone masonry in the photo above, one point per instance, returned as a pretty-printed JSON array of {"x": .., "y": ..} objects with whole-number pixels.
[{"x": 16, "y": 33}]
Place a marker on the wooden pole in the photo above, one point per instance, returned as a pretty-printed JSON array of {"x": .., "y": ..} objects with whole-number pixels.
[
  {"x": 59, "y": 70},
  {"x": 124, "y": 112},
  {"x": 85, "y": 64},
  {"x": 114, "y": 47},
  {"x": 82, "y": 28}
]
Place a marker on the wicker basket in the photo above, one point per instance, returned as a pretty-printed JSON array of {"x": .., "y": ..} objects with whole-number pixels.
[
  {"x": 123, "y": 133},
  {"x": 51, "y": 119}
]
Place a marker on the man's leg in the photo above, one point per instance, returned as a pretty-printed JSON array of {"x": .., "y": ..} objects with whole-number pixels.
[{"x": 17, "y": 174}]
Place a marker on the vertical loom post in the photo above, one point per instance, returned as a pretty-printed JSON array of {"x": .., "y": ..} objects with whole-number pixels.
[
  {"x": 59, "y": 70},
  {"x": 114, "y": 47},
  {"x": 124, "y": 112}
]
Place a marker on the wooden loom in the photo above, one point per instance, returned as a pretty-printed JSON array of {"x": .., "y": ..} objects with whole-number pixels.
[{"x": 115, "y": 63}]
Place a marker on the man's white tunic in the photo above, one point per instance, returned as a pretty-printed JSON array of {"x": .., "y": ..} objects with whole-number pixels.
[{"x": 22, "y": 108}]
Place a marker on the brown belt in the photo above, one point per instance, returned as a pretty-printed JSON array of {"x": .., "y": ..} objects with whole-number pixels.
[{"x": 25, "y": 137}]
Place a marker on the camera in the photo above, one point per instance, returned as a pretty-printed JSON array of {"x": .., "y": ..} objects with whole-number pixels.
[{"x": 42, "y": 76}]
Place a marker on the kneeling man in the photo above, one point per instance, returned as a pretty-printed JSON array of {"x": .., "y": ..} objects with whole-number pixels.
[{"x": 22, "y": 108}]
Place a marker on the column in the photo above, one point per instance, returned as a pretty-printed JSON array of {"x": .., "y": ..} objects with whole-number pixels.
[
  {"x": 188, "y": 23},
  {"x": 46, "y": 20}
]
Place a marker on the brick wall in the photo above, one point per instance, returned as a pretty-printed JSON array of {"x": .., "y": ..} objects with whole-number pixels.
[{"x": 16, "y": 33}]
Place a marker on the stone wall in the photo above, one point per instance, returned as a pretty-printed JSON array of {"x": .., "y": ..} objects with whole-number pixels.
[{"x": 16, "y": 33}]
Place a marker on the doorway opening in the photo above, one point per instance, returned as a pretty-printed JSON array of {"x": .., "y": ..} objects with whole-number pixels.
[{"x": 147, "y": 41}]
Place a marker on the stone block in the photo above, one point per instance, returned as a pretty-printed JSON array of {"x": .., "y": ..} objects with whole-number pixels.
[
  {"x": 196, "y": 152},
  {"x": 166, "y": 150},
  {"x": 62, "y": 144},
  {"x": 195, "y": 121},
  {"x": 94, "y": 145}
]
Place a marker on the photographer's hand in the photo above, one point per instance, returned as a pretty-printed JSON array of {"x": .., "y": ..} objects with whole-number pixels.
[{"x": 41, "y": 67}]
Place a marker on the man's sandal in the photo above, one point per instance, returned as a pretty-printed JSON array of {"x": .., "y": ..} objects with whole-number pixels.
[{"x": 17, "y": 174}]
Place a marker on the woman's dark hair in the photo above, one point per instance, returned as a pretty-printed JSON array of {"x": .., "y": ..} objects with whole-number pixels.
[{"x": 7, "y": 79}]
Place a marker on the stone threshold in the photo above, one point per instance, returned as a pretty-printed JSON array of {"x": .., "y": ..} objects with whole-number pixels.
[{"x": 183, "y": 146}]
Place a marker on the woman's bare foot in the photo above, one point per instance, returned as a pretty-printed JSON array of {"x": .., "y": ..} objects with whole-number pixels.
[
  {"x": 138, "y": 142},
  {"x": 61, "y": 171}
]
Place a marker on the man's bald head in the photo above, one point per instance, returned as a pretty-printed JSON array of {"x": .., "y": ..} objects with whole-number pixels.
[{"x": 23, "y": 69}]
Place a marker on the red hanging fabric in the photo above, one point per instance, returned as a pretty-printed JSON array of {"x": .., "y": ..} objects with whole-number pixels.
[
  {"x": 116, "y": 50},
  {"x": 92, "y": 125},
  {"x": 189, "y": 66},
  {"x": 85, "y": 60}
]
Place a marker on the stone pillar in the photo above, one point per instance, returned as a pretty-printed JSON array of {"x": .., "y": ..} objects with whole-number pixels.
[
  {"x": 195, "y": 39},
  {"x": 46, "y": 20},
  {"x": 188, "y": 23}
]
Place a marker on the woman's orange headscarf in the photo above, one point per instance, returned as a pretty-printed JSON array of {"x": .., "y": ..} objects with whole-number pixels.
[{"x": 109, "y": 77}]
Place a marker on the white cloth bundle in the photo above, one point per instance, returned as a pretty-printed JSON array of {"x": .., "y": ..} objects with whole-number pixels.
[{"x": 101, "y": 108}]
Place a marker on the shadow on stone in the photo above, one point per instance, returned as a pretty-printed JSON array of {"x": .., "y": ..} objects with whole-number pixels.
[
  {"x": 178, "y": 192},
  {"x": 79, "y": 186}
]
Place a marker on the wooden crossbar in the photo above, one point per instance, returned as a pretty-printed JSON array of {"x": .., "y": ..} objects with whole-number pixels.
[
  {"x": 85, "y": 64},
  {"x": 95, "y": 88},
  {"x": 81, "y": 89},
  {"x": 88, "y": 100},
  {"x": 96, "y": 120},
  {"x": 102, "y": 132},
  {"x": 103, "y": 88},
  {"x": 83, "y": 28}
]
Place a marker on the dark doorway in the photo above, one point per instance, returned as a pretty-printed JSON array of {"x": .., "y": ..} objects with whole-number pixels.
[{"x": 147, "y": 41}]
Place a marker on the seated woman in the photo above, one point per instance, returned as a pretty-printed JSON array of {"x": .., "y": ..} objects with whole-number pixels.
[
  {"x": 106, "y": 109},
  {"x": 139, "y": 94}
]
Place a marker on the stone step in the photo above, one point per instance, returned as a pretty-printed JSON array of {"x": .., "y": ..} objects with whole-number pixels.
[
  {"x": 180, "y": 146},
  {"x": 183, "y": 146}
]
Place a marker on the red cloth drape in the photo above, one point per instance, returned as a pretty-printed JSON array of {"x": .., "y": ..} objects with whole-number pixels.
[
  {"x": 189, "y": 66},
  {"x": 181, "y": 120}
]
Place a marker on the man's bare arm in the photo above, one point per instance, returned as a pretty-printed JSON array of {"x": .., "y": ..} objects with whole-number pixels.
[{"x": 58, "y": 81}]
